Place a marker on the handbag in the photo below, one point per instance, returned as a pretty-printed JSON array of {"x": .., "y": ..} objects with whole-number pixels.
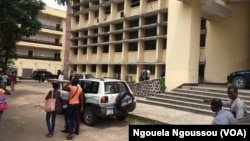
[
  {"x": 3, "y": 103},
  {"x": 50, "y": 104}
]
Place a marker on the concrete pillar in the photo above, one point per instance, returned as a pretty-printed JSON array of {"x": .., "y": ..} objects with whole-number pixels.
[
  {"x": 182, "y": 59},
  {"x": 227, "y": 43}
]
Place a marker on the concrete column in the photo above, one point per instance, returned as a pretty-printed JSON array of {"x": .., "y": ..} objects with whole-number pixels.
[
  {"x": 182, "y": 58},
  {"x": 227, "y": 43}
]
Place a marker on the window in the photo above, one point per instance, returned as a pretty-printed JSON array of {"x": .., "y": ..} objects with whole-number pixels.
[
  {"x": 107, "y": 10},
  {"x": 85, "y": 33},
  {"x": 75, "y": 51},
  {"x": 118, "y": 37},
  {"x": 151, "y": 20},
  {"x": 131, "y": 69},
  {"x": 151, "y": 1},
  {"x": 86, "y": 17},
  {"x": 133, "y": 35},
  {"x": 90, "y": 86},
  {"x": 119, "y": 26},
  {"x": 120, "y": 6},
  {"x": 203, "y": 24},
  {"x": 96, "y": 14},
  {"x": 118, "y": 48},
  {"x": 94, "y": 40},
  {"x": 84, "y": 41},
  {"x": 150, "y": 45},
  {"x": 134, "y": 23},
  {"x": 135, "y": 3},
  {"x": 106, "y": 29},
  {"x": 93, "y": 68},
  {"x": 105, "y": 49},
  {"x": 83, "y": 68},
  {"x": 106, "y": 38},
  {"x": 95, "y": 31},
  {"x": 150, "y": 32},
  {"x": 164, "y": 44},
  {"x": 202, "y": 40},
  {"x": 94, "y": 49},
  {"x": 76, "y": 43},
  {"x": 84, "y": 50},
  {"x": 104, "y": 68},
  {"x": 77, "y": 18},
  {"x": 133, "y": 46}
]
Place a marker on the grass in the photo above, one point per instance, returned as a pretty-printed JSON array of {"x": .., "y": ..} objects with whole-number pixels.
[{"x": 132, "y": 119}]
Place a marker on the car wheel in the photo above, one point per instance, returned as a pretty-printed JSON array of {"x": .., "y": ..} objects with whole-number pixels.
[
  {"x": 239, "y": 82},
  {"x": 89, "y": 117},
  {"x": 124, "y": 102},
  {"x": 122, "y": 117}
]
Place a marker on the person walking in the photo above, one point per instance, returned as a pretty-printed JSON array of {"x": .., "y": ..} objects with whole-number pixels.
[
  {"x": 237, "y": 106},
  {"x": 221, "y": 117},
  {"x": 51, "y": 116},
  {"x": 75, "y": 103},
  {"x": 12, "y": 81}
]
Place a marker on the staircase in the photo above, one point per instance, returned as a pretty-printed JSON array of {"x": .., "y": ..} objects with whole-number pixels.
[{"x": 190, "y": 98}]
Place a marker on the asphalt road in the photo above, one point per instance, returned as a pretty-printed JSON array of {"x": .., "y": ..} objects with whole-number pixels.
[{"x": 24, "y": 120}]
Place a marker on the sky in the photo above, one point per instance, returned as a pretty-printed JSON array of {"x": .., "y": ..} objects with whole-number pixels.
[{"x": 53, "y": 3}]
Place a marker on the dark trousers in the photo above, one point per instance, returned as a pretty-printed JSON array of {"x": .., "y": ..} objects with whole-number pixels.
[{"x": 70, "y": 117}]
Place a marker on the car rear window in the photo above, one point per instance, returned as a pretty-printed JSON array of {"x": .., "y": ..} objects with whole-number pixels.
[{"x": 115, "y": 87}]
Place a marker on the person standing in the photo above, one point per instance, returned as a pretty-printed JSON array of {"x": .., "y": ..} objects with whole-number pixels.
[
  {"x": 221, "y": 117},
  {"x": 143, "y": 75},
  {"x": 61, "y": 78},
  {"x": 71, "y": 76},
  {"x": 75, "y": 103},
  {"x": 51, "y": 116},
  {"x": 148, "y": 74},
  {"x": 5, "y": 77},
  {"x": 12, "y": 81},
  {"x": 237, "y": 106}
]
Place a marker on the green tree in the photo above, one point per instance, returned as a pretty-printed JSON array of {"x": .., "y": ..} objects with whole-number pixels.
[{"x": 18, "y": 18}]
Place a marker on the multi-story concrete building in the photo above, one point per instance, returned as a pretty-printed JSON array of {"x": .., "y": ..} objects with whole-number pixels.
[
  {"x": 45, "y": 50},
  {"x": 192, "y": 39}
]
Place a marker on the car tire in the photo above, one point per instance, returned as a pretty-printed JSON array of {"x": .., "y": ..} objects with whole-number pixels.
[
  {"x": 239, "y": 82},
  {"x": 124, "y": 102},
  {"x": 122, "y": 117},
  {"x": 89, "y": 118}
]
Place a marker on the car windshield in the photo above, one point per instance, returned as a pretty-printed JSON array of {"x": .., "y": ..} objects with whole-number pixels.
[{"x": 115, "y": 87}]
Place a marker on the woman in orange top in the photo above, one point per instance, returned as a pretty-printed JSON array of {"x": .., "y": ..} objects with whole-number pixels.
[{"x": 75, "y": 102}]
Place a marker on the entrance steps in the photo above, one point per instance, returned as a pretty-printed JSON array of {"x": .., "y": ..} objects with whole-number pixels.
[{"x": 190, "y": 98}]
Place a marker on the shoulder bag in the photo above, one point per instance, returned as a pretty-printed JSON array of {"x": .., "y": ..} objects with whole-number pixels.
[{"x": 50, "y": 104}]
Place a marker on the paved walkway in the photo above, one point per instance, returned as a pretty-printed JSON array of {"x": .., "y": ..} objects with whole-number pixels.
[{"x": 169, "y": 115}]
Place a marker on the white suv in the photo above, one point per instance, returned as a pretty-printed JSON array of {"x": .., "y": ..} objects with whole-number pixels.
[{"x": 105, "y": 97}]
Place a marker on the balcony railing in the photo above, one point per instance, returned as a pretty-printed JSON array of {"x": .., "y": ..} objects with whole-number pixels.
[
  {"x": 41, "y": 41},
  {"x": 57, "y": 28},
  {"x": 38, "y": 57}
]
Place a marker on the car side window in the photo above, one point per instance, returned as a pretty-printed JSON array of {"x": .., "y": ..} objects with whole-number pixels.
[{"x": 90, "y": 87}]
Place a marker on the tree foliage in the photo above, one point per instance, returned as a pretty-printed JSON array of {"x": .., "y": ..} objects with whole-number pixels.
[{"x": 18, "y": 18}]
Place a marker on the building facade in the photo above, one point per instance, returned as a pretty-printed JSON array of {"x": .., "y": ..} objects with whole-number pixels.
[
  {"x": 193, "y": 40},
  {"x": 45, "y": 50}
]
